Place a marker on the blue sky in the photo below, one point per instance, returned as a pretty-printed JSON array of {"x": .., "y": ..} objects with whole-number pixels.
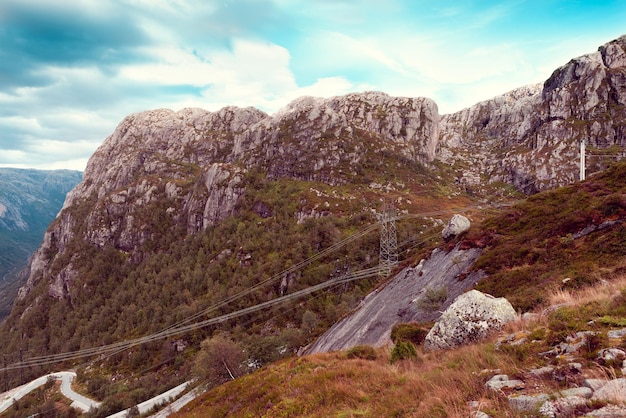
[{"x": 70, "y": 70}]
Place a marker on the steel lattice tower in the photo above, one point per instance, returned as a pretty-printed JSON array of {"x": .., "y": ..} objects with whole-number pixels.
[{"x": 388, "y": 239}]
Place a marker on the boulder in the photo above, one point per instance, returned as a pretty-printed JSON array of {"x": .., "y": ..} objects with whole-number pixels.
[
  {"x": 527, "y": 403},
  {"x": 471, "y": 317},
  {"x": 502, "y": 381},
  {"x": 614, "y": 390},
  {"x": 457, "y": 225}
]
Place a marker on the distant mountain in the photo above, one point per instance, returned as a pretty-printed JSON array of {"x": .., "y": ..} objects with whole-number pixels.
[{"x": 29, "y": 201}]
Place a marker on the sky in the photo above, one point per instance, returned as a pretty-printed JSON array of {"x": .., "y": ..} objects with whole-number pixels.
[{"x": 71, "y": 70}]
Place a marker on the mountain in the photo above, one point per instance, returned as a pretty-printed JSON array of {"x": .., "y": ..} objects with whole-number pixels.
[
  {"x": 189, "y": 215},
  {"x": 29, "y": 201},
  {"x": 534, "y": 132}
]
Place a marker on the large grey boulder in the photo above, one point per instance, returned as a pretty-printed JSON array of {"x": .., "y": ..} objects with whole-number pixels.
[
  {"x": 471, "y": 317},
  {"x": 457, "y": 225}
]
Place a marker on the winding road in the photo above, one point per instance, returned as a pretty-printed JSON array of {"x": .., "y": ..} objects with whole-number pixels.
[
  {"x": 78, "y": 401},
  {"x": 85, "y": 404}
]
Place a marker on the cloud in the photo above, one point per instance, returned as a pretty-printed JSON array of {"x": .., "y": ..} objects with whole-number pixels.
[
  {"x": 70, "y": 70},
  {"x": 39, "y": 34}
]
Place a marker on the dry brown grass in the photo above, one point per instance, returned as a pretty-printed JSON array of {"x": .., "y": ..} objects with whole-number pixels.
[
  {"x": 604, "y": 290},
  {"x": 439, "y": 384}
]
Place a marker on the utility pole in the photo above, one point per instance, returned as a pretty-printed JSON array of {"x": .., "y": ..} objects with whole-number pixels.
[
  {"x": 388, "y": 239},
  {"x": 582, "y": 159},
  {"x": 6, "y": 377},
  {"x": 21, "y": 368}
]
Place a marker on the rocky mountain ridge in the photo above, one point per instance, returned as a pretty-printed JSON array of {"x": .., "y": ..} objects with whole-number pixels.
[
  {"x": 163, "y": 171},
  {"x": 535, "y": 131},
  {"x": 178, "y": 211}
]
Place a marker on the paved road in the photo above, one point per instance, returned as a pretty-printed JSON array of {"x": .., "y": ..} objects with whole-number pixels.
[
  {"x": 157, "y": 400},
  {"x": 78, "y": 401},
  {"x": 85, "y": 404}
]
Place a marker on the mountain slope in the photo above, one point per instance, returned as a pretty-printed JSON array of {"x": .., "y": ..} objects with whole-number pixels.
[
  {"x": 29, "y": 201},
  {"x": 578, "y": 229},
  {"x": 534, "y": 132}
]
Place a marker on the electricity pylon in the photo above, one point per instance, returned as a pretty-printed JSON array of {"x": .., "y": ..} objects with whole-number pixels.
[{"x": 388, "y": 239}]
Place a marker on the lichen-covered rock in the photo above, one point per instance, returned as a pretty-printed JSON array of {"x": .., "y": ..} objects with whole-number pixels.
[
  {"x": 471, "y": 317},
  {"x": 457, "y": 225},
  {"x": 614, "y": 390},
  {"x": 527, "y": 403},
  {"x": 502, "y": 381}
]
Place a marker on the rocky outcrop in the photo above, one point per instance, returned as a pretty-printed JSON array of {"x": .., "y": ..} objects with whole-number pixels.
[
  {"x": 471, "y": 317},
  {"x": 457, "y": 225},
  {"x": 161, "y": 169},
  {"x": 535, "y": 131},
  {"x": 582, "y": 392},
  {"x": 399, "y": 300},
  {"x": 29, "y": 201}
]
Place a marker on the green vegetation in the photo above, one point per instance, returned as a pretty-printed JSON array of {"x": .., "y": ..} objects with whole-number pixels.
[
  {"x": 47, "y": 401},
  {"x": 433, "y": 298},
  {"x": 425, "y": 383},
  {"x": 364, "y": 352},
  {"x": 543, "y": 243},
  {"x": 412, "y": 332},
  {"x": 29, "y": 201},
  {"x": 403, "y": 350},
  {"x": 170, "y": 275}
]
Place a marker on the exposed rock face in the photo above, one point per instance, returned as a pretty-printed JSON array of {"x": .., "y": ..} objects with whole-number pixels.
[
  {"x": 189, "y": 167},
  {"x": 29, "y": 200},
  {"x": 535, "y": 131},
  {"x": 471, "y": 317},
  {"x": 457, "y": 225},
  {"x": 371, "y": 323}
]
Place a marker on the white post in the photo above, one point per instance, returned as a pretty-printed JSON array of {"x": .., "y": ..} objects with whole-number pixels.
[{"x": 582, "y": 160}]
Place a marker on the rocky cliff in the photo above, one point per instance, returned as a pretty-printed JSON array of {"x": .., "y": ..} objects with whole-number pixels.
[
  {"x": 190, "y": 166},
  {"x": 530, "y": 137}
]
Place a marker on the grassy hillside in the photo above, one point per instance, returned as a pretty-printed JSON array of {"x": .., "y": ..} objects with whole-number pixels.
[
  {"x": 176, "y": 277},
  {"x": 575, "y": 232},
  {"x": 570, "y": 237},
  {"x": 432, "y": 384}
]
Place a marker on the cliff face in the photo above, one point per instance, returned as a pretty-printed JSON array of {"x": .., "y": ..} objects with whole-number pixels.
[
  {"x": 190, "y": 167},
  {"x": 530, "y": 137}
]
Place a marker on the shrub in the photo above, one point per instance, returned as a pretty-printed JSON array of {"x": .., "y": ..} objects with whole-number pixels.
[
  {"x": 220, "y": 359},
  {"x": 409, "y": 331},
  {"x": 404, "y": 350},
  {"x": 433, "y": 298},
  {"x": 364, "y": 352}
]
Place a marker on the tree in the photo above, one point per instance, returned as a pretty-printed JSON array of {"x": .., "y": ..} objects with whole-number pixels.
[
  {"x": 220, "y": 359},
  {"x": 309, "y": 322}
]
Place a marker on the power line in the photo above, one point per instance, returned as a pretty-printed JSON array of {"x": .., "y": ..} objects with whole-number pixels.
[{"x": 181, "y": 328}]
